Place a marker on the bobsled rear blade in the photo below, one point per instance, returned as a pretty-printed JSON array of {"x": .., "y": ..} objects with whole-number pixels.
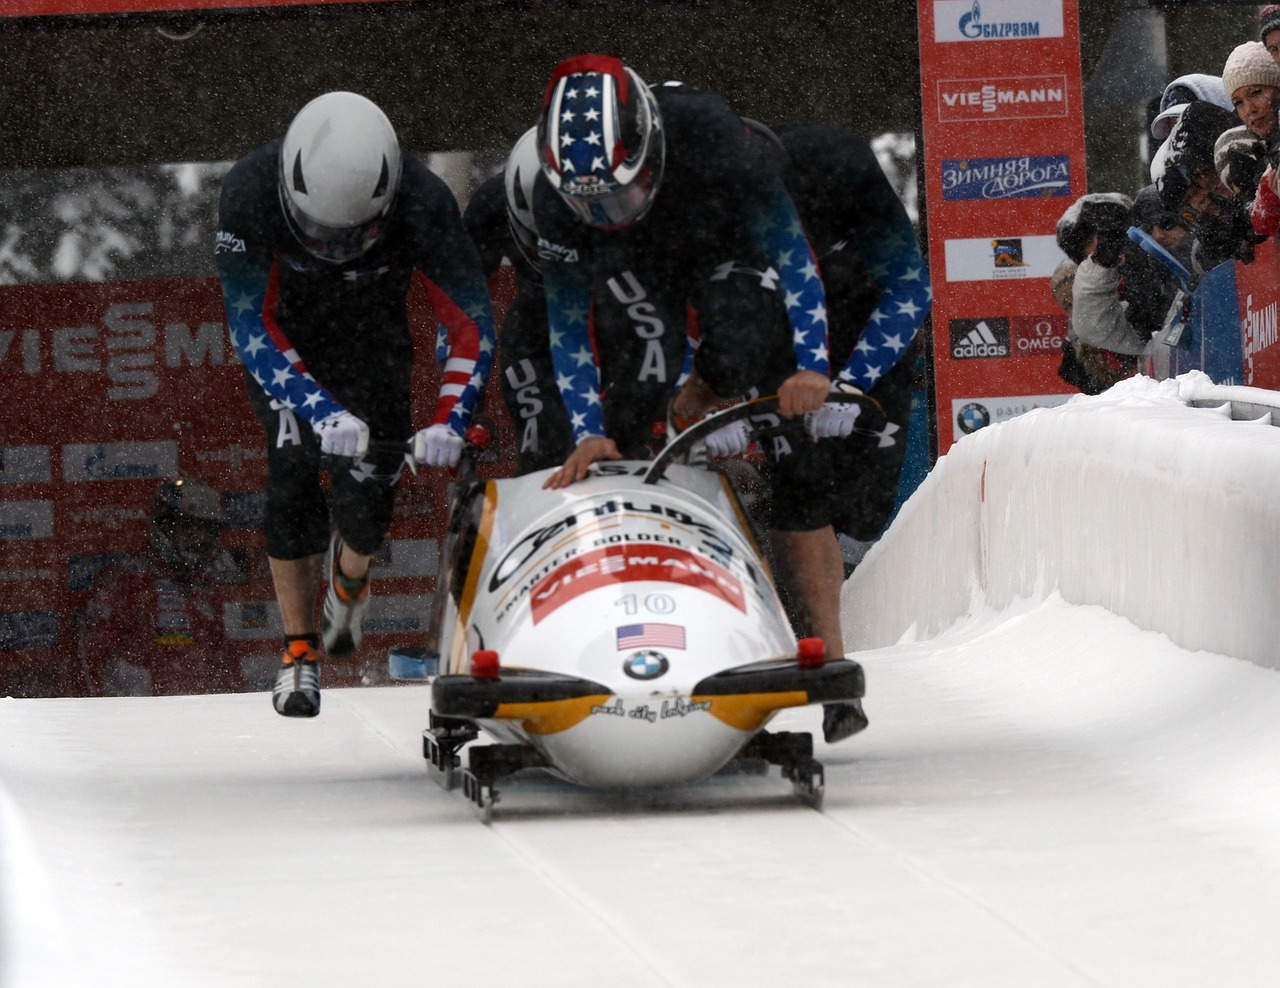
[
  {"x": 746, "y": 696},
  {"x": 536, "y": 697}
]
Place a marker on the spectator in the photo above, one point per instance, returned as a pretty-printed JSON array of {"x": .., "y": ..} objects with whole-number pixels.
[
  {"x": 1188, "y": 181},
  {"x": 1264, "y": 213},
  {"x": 1072, "y": 369},
  {"x": 1092, "y": 233},
  {"x": 1269, "y": 29},
  {"x": 1147, "y": 287},
  {"x": 1240, "y": 158},
  {"x": 1178, "y": 95},
  {"x": 152, "y": 624},
  {"x": 1251, "y": 81}
]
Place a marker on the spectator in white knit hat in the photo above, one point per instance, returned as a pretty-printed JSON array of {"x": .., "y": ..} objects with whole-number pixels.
[{"x": 1251, "y": 80}]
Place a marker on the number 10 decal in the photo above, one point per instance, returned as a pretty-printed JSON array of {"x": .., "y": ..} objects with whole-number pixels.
[{"x": 654, "y": 603}]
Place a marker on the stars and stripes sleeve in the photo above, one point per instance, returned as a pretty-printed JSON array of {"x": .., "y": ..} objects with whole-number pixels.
[
  {"x": 777, "y": 229},
  {"x": 464, "y": 348},
  {"x": 250, "y": 294},
  {"x": 568, "y": 288},
  {"x": 892, "y": 257},
  {"x": 449, "y": 268}
]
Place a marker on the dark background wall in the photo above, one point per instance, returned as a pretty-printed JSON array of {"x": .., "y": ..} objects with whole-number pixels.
[{"x": 455, "y": 76}]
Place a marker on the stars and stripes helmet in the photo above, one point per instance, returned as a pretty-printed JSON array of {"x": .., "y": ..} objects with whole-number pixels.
[
  {"x": 339, "y": 170},
  {"x": 601, "y": 140},
  {"x": 518, "y": 177}
]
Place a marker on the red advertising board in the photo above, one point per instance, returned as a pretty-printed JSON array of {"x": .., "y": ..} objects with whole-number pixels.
[
  {"x": 111, "y": 387},
  {"x": 1003, "y": 157},
  {"x": 1258, "y": 292}
]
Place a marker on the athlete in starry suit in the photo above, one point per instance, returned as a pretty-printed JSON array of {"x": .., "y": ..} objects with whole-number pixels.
[
  {"x": 499, "y": 218},
  {"x": 878, "y": 295},
  {"x": 668, "y": 208},
  {"x": 320, "y": 235},
  {"x": 665, "y": 206}
]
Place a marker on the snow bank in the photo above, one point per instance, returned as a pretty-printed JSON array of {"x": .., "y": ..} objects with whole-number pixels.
[
  {"x": 1149, "y": 500},
  {"x": 33, "y": 939}
]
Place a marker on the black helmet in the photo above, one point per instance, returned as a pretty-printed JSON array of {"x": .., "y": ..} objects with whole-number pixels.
[{"x": 186, "y": 521}]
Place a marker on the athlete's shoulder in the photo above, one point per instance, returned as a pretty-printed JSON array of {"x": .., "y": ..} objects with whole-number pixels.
[
  {"x": 827, "y": 145},
  {"x": 253, "y": 177},
  {"x": 419, "y": 182},
  {"x": 487, "y": 204},
  {"x": 696, "y": 114},
  {"x": 250, "y": 222}
]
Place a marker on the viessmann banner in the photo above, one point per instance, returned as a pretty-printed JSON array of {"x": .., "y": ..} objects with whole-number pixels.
[
  {"x": 1003, "y": 157},
  {"x": 111, "y": 387}
]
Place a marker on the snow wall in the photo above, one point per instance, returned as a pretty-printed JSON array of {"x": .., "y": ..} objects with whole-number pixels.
[{"x": 1156, "y": 500}]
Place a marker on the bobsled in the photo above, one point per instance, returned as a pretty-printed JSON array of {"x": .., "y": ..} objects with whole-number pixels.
[{"x": 623, "y": 632}]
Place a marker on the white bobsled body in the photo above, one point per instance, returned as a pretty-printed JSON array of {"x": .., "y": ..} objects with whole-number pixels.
[{"x": 639, "y": 637}]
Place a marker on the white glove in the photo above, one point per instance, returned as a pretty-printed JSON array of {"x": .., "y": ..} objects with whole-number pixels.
[
  {"x": 437, "y": 446},
  {"x": 833, "y": 420},
  {"x": 343, "y": 435},
  {"x": 729, "y": 440}
]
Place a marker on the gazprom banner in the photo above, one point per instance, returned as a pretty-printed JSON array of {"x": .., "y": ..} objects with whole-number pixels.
[{"x": 1003, "y": 157}]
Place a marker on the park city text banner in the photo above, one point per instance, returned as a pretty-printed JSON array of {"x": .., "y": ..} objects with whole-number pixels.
[{"x": 1004, "y": 156}]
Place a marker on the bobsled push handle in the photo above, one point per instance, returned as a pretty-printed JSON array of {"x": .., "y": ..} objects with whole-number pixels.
[{"x": 679, "y": 448}]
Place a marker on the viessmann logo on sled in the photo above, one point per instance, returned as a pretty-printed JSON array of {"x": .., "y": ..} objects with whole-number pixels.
[
  {"x": 624, "y": 564},
  {"x": 1028, "y": 97}
]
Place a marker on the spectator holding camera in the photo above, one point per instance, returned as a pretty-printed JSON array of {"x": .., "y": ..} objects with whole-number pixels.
[
  {"x": 1093, "y": 234},
  {"x": 1188, "y": 180}
]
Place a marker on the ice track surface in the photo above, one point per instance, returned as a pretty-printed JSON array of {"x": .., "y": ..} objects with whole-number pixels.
[{"x": 1046, "y": 796}]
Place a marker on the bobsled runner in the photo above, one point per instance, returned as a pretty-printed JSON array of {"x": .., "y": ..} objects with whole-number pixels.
[{"x": 623, "y": 632}]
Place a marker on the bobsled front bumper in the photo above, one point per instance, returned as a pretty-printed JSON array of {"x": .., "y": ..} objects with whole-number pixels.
[{"x": 743, "y": 698}]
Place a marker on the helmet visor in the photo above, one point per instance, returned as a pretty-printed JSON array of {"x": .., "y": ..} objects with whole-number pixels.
[
  {"x": 612, "y": 207},
  {"x": 335, "y": 244}
]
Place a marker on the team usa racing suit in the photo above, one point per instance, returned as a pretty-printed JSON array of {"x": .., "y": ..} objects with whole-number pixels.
[
  {"x": 528, "y": 388},
  {"x": 878, "y": 294},
  {"x": 721, "y": 245},
  {"x": 319, "y": 338}
]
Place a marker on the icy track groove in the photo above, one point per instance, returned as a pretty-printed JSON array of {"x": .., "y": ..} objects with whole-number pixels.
[{"x": 1046, "y": 795}]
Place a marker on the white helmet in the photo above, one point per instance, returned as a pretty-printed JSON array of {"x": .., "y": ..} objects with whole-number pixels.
[
  {"x": 339, "y": 169},
  {"x": 521, "y": 171}
]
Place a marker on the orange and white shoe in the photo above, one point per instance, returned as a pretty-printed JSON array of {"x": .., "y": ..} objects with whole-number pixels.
[
  {"x": 297, "y": 689},
  {"x": 342, "y": 625}
]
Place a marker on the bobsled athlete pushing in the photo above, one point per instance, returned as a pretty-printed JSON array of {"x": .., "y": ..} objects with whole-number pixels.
[{"x": 623, "y": 632}]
